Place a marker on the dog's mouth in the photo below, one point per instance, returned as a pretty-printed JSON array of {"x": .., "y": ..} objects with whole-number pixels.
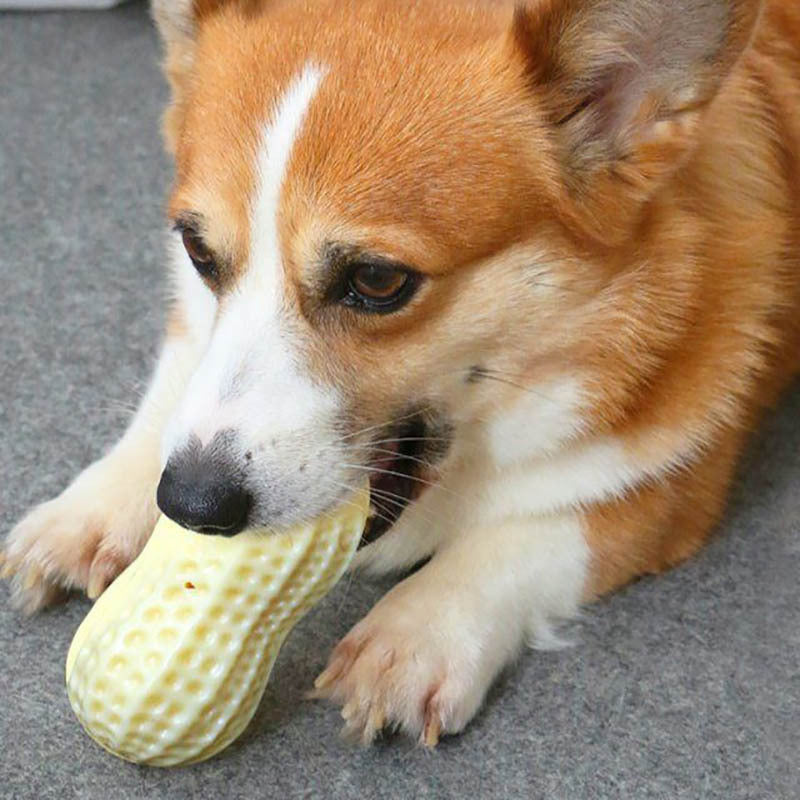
[{"x": 401, "y": 471}]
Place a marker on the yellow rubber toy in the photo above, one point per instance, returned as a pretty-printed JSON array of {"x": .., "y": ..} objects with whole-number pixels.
[{"x": 170, "y": 664}]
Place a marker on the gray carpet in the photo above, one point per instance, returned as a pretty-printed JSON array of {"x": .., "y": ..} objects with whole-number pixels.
[{"x": 686, "y": 686}]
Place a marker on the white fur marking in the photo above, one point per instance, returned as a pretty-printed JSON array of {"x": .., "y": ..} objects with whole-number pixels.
[
  {"x": 252, "y": 379},
  {"x": 273, "y": 160},
  {"x": 249, "y": 345},
  {"x": 540, "y": 422},
  {"x": 599, "y": 470}
]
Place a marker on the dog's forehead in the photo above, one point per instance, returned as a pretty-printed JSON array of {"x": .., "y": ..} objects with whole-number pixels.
[{"x": 406, "y": 130}]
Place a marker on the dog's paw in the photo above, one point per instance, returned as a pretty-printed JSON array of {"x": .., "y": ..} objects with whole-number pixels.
[
  {"x": 409, "y": 665},
  {"x": 83, "y": 538}
]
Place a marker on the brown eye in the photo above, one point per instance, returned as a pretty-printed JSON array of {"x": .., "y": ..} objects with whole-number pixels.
[
  {"x": 378, "y": 283},
  {"x": 198, "y": 252}
]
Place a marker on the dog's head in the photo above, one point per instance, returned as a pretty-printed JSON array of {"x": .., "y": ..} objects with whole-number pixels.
[{"x": 393, "y": 219}]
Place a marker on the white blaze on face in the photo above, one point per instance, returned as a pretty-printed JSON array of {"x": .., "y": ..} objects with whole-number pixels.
[{"x": 252, "y": 380}]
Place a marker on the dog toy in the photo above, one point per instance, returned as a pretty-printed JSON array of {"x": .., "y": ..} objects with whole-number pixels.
[{"x": 170, "y": 664}]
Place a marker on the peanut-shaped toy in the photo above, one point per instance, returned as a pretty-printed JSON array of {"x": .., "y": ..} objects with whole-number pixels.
[{"x": 170, "y": 664}]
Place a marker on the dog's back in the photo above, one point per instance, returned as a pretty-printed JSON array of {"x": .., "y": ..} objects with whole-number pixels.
[{"x": 747, "y": 174}]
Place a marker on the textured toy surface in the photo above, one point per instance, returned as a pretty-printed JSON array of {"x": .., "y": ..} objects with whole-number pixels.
[{"x": 170, "y": 664}]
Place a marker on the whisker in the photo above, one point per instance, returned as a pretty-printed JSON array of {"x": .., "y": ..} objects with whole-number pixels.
[
  {"x": 401, "y": 456},
  {"x": 413, "y": 508},
  {"x": 432, "y": 484},
  {"x": 386, "y": 514},
  {"x": 500, "y": 377},
  {"x": 493, "y": 376},
  {"x": 368, "y": 446},
  {"x": 386, "y": 496},
  {"x": 394, "y": 509},
  {"x": 385, "y": 493},
  {"x": 345, "y": 486},
  {"x": 412, "y": 439},
  {"x": 410, "y": 415},
  {"x": 389, "y": 472},
  {"x": 118, "y": 407},
  {"x": 346, "y": 501},
  {"x": 375, "y": 498},
  {"x": 376, "y": 495}
]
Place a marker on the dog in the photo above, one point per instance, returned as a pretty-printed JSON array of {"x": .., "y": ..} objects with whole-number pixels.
[{"x": 532, "y": 269}]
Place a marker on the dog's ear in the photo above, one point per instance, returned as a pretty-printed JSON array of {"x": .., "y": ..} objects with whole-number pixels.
[
  {"x": 177, "y": 22},
  {"x": 177, "y": 19},
  {"x": 625, "y": 84},
  {"x": 174, "y": 19}
]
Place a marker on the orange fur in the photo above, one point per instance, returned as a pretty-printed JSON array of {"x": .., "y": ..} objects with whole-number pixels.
[{"x": 670, "y": 237}]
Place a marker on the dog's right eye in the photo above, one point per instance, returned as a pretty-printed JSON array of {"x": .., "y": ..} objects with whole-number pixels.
[{"x": 199, "y": 253}]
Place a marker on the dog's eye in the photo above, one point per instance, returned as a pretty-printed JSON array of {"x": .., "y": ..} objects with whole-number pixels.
[
  {"x": 379, "y": 287},
  {"x": 198, "y": 252}
]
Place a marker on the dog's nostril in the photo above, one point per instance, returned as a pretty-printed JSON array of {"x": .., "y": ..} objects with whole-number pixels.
[{"x": 208, "y": 498}]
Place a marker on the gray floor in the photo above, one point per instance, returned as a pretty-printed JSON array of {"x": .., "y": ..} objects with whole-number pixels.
[{"x": 683, "y": 687}]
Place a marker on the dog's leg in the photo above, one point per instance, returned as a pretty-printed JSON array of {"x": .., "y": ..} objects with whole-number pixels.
[
  {"x": 424, "y": 657},
  {"x": 84, "y": 537}
]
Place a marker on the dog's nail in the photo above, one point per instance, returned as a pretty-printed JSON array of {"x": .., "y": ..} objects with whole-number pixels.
[
  {"x": 31, "y": 577},
  {"x": 329, "y": 674},
  {"x": 95, "y": 587},
  {"x": 432, "y": 731},
  {"x": 349, "y": 710},
  {"x": 7, "y": 571},
  {"x": 377, "y": 719},
  {"x": 367, "y": 735},
  {"x": 351, "y": 732},
  {"x": 323, "y": 680},
  {"x": 387, "y": 660}
]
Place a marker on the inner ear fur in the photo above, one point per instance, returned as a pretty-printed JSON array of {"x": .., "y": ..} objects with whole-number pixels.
[{"x": 624, "y": 84}]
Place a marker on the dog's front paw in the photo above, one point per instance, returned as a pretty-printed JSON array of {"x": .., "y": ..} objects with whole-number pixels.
[
  {"x": 83, "y": 538},
  {"x": 413, "y": 664}
]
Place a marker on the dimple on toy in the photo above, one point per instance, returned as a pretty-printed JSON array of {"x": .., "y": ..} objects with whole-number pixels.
[{"x": 170, "y": 664}]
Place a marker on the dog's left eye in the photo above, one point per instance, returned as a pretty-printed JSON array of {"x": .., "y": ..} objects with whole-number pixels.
[
  {"x": 379, "y": 287},
  {"x": 199, "y": 253}
]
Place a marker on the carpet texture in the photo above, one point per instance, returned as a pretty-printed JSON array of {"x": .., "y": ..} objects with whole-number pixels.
[{"x": 686, "y": 686}]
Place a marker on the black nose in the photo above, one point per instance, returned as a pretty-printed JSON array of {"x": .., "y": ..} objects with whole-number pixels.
[{"x": 203, "y": 491}]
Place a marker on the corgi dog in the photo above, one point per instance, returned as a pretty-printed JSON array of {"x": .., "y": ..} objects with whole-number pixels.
[{"x": 532, "y": 269}]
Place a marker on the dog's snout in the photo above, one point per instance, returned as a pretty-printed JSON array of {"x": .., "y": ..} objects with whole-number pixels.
[{"x": 204, "y": 491}]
